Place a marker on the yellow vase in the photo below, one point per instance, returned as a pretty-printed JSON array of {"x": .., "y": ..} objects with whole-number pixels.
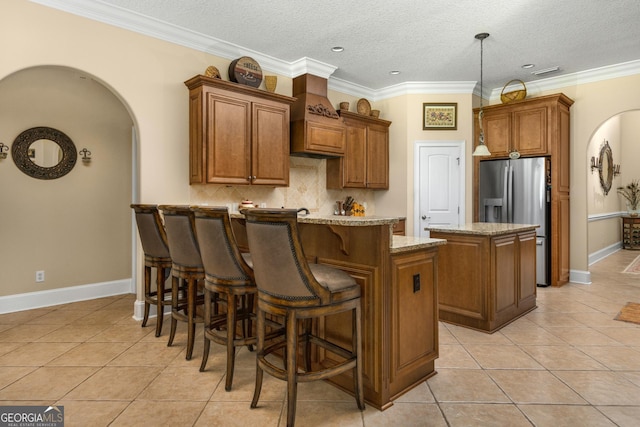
[{"x": 270, "y": 83}]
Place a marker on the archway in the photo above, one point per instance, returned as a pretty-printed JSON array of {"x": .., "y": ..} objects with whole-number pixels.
[
  {"x": 620, "y": 132},
  {"x": 76, "y": 228}
]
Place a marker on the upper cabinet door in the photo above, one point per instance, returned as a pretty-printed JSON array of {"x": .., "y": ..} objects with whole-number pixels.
[
  {"x": 355, "y": 156},
  {"x": 270, "y": 144},
  {"x": 378, "y": 157},
  {"x": 228, "y": 142},
  {"x": 497, "y": 134},
  {"x": 530, "y": 131}
]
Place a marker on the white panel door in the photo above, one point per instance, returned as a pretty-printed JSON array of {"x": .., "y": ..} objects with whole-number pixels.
[{"x": 439, "y": 192}]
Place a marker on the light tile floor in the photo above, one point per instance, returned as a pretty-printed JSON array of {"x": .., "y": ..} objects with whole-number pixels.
[{"x": 567, "y": 363}]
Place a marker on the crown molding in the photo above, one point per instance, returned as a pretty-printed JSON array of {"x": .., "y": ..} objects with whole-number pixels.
[
  {"x": 126, "y": 19},
  {"x": 582, "y": 77}
]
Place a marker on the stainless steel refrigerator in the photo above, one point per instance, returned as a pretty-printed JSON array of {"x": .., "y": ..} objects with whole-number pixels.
[{"x": 518, "y": 191}]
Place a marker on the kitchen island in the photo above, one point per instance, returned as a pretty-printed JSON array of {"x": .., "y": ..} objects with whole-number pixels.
[
  {"x": 486, "y": 274},
  {"x": 399, "y": 281}
]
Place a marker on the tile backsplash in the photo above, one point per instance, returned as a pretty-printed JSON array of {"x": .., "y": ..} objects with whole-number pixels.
[{"x": 307, "y": 188}]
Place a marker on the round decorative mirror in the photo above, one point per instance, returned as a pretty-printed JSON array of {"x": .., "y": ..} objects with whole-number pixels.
[
  {"x": 606, "y": 168},
  {"x": 44, "y": 153}
]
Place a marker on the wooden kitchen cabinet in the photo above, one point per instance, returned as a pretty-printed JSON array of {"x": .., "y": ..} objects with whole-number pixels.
[
  {"x": 531, "y": 127},
  {"x": 535, "y": 127},
  {"x": 521, "y": 128},
  {"x": 238, "y": 135},
  {"x": 365, "y": 163},
  {"x": 486, "y": 280}
]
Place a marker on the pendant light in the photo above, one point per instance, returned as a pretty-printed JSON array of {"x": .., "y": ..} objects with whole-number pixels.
[{"x": 481, "y": 148}]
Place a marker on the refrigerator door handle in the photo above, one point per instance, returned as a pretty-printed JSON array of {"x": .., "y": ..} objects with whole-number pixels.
[{"x": 505, "y": 195}]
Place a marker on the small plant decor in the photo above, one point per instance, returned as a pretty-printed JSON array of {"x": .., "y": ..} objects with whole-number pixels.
[{"x": 632, "y": 193}]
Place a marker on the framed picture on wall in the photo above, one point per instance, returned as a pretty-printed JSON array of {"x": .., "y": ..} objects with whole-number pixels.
[{"x": 440, "y": 116}]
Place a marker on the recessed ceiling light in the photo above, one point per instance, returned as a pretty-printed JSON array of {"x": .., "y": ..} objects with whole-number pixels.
[
  {"x": 527, "y": 66},
  {"x": 337, "y": 48},
  {"x": 394, "y": 72}
]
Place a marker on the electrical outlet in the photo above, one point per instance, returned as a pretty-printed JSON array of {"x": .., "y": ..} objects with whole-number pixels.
[
  {"x": 416, "y": 283},
  {"x": 40, "y": 276}
]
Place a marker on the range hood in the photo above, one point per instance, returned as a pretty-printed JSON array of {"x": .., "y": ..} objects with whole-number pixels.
[{"x": 316, "y": 128}]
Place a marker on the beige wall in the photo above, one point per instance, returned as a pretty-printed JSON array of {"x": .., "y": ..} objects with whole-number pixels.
[
  {"x": 147, "y": 75},
  {"x": 595, "y": 103},
  {"x": 406, "y": 114}
]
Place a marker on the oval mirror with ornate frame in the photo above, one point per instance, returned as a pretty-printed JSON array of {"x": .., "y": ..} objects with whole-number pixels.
[
  {"x": 24, "y": 153},
  {"x": 606, "y": 168}
]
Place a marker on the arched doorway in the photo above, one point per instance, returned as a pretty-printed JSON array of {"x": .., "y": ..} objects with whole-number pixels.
[
  {"x": 620, "y": 132},
  {"x": 77, "y": 228}
]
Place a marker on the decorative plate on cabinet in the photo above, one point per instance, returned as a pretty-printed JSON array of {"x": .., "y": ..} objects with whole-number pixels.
[
  {"x": 245, "y": 70},
  {"x": 364, "y": 107}
]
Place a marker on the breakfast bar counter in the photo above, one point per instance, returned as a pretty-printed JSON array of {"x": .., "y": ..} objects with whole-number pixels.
[
  {"x": 399, "y": 281},
  {"x": 486, "y": 274}
]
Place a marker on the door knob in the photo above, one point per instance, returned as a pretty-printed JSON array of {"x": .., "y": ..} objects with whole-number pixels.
[{"x": 425, "y": 217}]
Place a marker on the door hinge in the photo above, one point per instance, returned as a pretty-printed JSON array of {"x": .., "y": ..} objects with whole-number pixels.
[
  {"x": 458, "y": 210},
  {"x": 458, "y": 159}
]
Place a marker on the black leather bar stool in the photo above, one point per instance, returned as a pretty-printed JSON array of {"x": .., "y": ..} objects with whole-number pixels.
[
  {"x": 156, "y": 255},
  {"x": 228, "y": 274},
  {"x": 186, "y": 268},
  {"x": 300, "y": 292}
]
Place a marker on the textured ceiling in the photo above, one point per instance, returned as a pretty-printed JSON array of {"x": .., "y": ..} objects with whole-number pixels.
[{"x": 426, "y": 40}]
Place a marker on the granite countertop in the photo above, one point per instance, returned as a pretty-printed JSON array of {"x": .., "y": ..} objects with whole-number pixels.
[
  {"x": 349, "y": 221},
  {"x": 483, "y": 228},
  {"x": 410, "y": 243}
]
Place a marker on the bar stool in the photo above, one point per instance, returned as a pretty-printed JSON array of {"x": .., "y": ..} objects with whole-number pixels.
[
  {"x": 290, "y": 287},
  {"x": 156, "y": 255},
  {"x": 186, "y": 268},
  {"x": 227, "y": 273}
]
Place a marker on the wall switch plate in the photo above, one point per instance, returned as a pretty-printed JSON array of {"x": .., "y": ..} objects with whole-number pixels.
[
  {"x": 40, "y": 276},
  {"x": 416, "y": 282}
]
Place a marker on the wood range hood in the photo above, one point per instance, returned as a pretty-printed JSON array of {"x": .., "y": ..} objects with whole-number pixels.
[{"x": 316, "y": 128}]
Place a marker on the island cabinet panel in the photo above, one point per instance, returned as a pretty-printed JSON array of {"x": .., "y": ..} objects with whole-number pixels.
[
  {"x": 504, "y": 270},
  {"x": 486, "y": 281},
  {"x": 238, "y": 135},
  {"x": 414, "y": 304},
  {"x": 463, "y": 263},
  {"x": 527, "y": 291}
]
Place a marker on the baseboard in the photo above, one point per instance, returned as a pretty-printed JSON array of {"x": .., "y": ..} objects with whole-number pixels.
[
  {"x": 31, "y": 300},
  {"x": 604, "y": 252},
  {"x": 580, "y": 277}
]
